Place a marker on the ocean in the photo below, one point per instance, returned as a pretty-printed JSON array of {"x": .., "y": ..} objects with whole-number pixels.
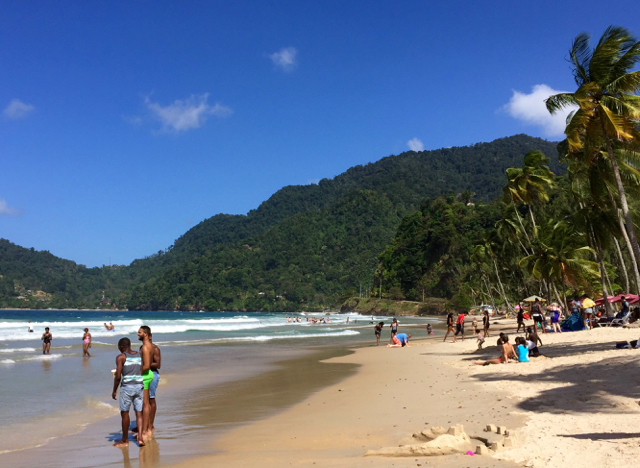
[{"x": 205, "y": 357}]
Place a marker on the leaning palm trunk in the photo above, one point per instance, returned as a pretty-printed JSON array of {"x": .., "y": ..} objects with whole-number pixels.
[
  {"x": 632, "y": 256},
  {"x": 623, "y": 266},
  {"x": 493, "y": 303},
  {"x": 504, "y": 295},
  {"x": 555, "y": 291},
  {"x": 621, "y": 193}
]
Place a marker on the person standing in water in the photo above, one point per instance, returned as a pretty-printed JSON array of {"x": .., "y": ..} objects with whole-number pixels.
[
  {"x": 378, "y": 330},
  {"x": 86, "y": 343},
  {"x": 146, "y": 352},
  {"x": 394, "y": 329},
  {"x": 128, "y": 377},
  {"x": 30, "y": 329},
  {"x": 46, "y": 341},
  {"x": 156, "y": 361}
]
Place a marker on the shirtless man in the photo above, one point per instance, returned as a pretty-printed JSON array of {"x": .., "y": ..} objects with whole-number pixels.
[
  {"x": 46, "y": 341},
  {"x": 156, "y": 361},
  {"x": 146, "y": 352},
  {"x": 506, "y": 353}
]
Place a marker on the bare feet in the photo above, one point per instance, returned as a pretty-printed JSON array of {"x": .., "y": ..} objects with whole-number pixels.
[{"x": 121, "y": 443}]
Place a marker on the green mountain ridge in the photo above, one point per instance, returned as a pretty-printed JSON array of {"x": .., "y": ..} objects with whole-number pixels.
[{"x": 302, "y": 248}]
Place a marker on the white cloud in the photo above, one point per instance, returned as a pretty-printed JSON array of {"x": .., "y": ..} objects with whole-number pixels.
[
  {"x": 415, "y": 145},
  {"x": 17, "y": 110},
  {"x": 186, "y": 114},
  {"x": 285, "y": 58},
  {"x": 6, "y": 210},
  {"x": 531, "y": 109}
]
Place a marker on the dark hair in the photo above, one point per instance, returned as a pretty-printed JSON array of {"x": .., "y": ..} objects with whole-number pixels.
[
  {"x": 46, "y": 328},
  {"x": 381, "y": 323},
  {"x": 146, "y": 330},
  {"x": 124, "y": 343},
  {"x": 505, "y": 338},
  {"x": 528, "y": 329}
]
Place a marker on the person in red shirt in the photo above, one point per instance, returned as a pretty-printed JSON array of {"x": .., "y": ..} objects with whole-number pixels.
[{"x": 459, "y": 326}]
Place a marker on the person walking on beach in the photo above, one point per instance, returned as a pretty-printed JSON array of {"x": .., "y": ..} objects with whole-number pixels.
[
  {"x": 86, "y": 343},
  {"x": 46, "y": 341},
  {"x": 474, "y": 324},
  {"x": 128, "y": 377},
  {"x": 536, "y": 313},
  {"x": 485, "y": 323},
  {"x": 378, "y": 330},
  {"x": 146, "y": 353},
  {"x": 449, "y": 326},
  {"x": 459, "y": 326},
  {"x": 520, "y": 320},
  {"x": 587, "y": 312}
]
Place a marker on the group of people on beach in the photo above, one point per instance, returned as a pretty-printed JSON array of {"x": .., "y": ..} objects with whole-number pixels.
[
  {"x": 137, "y": 374},
  {"x": 525, "y": 346},
  {"x": 47, "y": 337},
  {"x": 397, "y": 340},
  {"x": 459, "y": 326}
]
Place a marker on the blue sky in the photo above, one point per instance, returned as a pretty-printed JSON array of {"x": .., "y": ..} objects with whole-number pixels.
[{"x": 123, "y": 124}]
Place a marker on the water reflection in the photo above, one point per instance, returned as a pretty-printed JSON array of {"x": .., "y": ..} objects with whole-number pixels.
[
  {"x": 46, "y": 365},
  {"x": 150, "y": 454}
]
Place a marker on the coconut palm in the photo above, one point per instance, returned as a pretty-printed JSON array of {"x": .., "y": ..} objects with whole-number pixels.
[
  {"x": 560, "y": 254},
  {"x": 529, "y": 184},
  {"x": 608, "y": 106}
]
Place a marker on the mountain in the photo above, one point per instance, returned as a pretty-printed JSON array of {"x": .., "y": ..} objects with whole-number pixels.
[{"x": 303, "y": 247}]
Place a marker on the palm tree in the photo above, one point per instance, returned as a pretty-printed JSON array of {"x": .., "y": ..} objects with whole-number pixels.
[
  {"x": 608, "y": 106},
  {"x": 529, "y": 184},
  {"x": 560, "y": 254}
]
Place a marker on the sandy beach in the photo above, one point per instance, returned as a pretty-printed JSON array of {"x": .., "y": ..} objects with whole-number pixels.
[{"x": 579, "y": 398}]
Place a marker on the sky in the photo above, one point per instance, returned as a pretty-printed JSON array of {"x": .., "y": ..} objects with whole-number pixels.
[{"x": 124, "y": 124}]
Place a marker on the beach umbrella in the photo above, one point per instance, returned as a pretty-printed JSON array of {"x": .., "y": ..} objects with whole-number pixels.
[{"x": 533, "y": 299}]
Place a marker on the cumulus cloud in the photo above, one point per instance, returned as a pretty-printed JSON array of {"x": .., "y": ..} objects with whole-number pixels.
[
  {"x": 531, "y": 109},
  {"x": 6, "y": 210},
  {"x": 285, "y": 58},
  {"x": 186, "y": 114},
  {"x": 415, "y": 145},
  {"x": 17, "y": 110}
]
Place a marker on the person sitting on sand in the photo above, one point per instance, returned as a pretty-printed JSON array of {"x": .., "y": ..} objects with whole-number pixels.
[
  {"x": 533, "y": 336},
  {"x": 400, "y": 340},
  {"x": 507, "y": 352},
  {"x": 521, "y": 350},
  {"x": 533, "y": 349},
  {"x": 128, "y": 377},
  {"x": 378, "y": 330}
]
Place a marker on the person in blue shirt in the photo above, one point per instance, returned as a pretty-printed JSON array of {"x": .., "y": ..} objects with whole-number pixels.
[
  {"x": 521, "y": 350},
  {"x": 399, "y": 340}
]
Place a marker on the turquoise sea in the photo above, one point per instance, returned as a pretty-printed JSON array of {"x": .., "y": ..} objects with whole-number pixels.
[{"x": 45, "y": 398}]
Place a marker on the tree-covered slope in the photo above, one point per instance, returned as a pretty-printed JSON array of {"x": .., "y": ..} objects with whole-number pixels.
[{"x": 211, "y": 263}]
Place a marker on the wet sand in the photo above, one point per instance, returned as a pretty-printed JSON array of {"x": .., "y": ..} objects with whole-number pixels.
[{"x": 191, "y": 413}]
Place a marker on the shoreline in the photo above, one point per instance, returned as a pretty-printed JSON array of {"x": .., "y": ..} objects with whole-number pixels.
[{"x": 578, "y": 399}]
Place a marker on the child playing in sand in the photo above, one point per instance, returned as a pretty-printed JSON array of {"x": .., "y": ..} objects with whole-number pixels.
[{"x": 480, "y": 337}]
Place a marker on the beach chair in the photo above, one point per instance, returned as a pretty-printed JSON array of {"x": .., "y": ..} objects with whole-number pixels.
[{"x": 624, "y": 320}]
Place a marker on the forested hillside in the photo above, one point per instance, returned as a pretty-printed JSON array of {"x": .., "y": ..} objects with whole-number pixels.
[{"x": 304, "y": 247}]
